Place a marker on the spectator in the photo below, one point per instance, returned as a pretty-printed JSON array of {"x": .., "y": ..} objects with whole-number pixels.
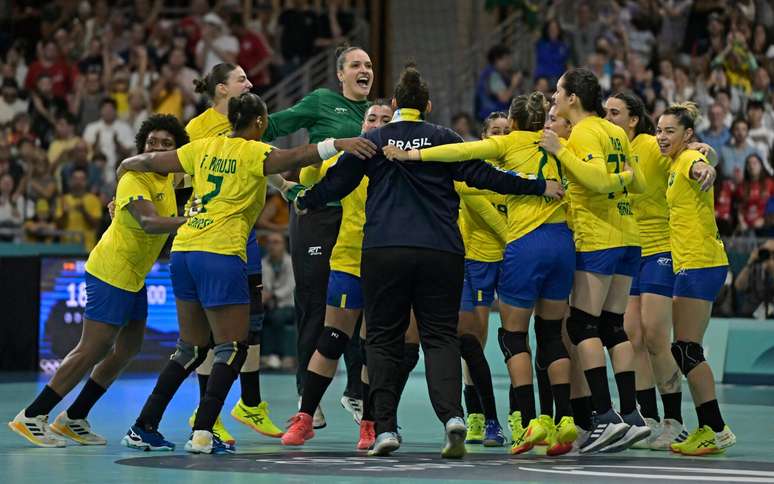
[
  {"x": 216, "y": 45},
  {"x": 724, "y": 207},
  {"x": 279, "y": 338},
  {"x": 733, "y": 154},
  {"x": 761, "y": 88},
  {"x": 138, "y": 109},
  {"x": 641, "y": 41},
  {"x": 755, "y": 283},
  {"x": 89, "y": 93},
  {"x": 10, "y": 104},
  {"x": 110, "y": 136},
  {"x": 584, "y": 33},
  {"x": 174, "y": 89},
  {"x": 738, "y": 62},
  {"x": 41, "y": 227},
  {"x": 275, "y": 215},
  {"x": 193, "y": 24},
  {"x": 762, "y": 138},
  {"x": 17, "y": 68},
  {"x": 79, "y": 212},
  {"x": 752, "y": 194},
  {"x": 462, "y": 124},
  {"x": 674, "y": 22},
  {"x": 77, "y": 158},
  {"x": 21, "y": 130},
  {"x": 254, "y": 55},
  {"x": 92, "y": 59},
  {"x": 43, "y": 110},
  {"x": 296, "y": 31},
  {"x": 761, "y": 45},
  {"x": 551, "y": 53},
  {"x": 51, "y": 64},
  {"x": 12, "y": 210},
  {"x": 40, "y": 183},
  {"x": 497, "y": 83},
  {"x": 64, "y": 138},
  {"x": 717, "y": 135},
  {"x": 333, "y": 25}
]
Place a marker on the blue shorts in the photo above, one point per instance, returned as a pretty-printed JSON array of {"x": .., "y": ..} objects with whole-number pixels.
[
  {"x": 478, "y": 288},
  {"x": 624, "y": 261},
  {"x": 655, "y": 276},
  {"x": 253, "y": 254},
  {"x": 539, "y": 265},
  {"x": 211, "y": 279},
  {"x": 112, "y": 305},
  {"x": 344, "y": 291},
  {"x": 700, "y": 283}
]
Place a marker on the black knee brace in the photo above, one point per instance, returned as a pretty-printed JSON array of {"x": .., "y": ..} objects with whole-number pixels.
[
  {"x": 188, "y": 355},
  {"x": 470, "y": 348},
  {"x": 581, "y": 326},
  {"x": 512, "y": 343},
  {"x": 688, "y": 355},
  {"x": 232, "y": 354},
  {"x": 550, "y": 346},
  {"x": 332, "y": 343},
  {"x": 611, "y": 329}
]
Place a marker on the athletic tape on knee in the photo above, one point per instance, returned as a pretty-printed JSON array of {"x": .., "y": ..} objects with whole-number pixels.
[
  {"x": 512, "y": 343},
  {"x": 189, "y": 356},
  {"x": 550, "y": 347},
  {"x": 332, "y": 343},
  {"x": 688, "y": 355},
  {"x": 231, "y": 354},
  {"x": 611, "y": 329},
  {"x": 581, "y": 326}
]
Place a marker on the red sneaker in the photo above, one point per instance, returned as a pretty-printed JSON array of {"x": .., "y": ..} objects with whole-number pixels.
[
  {"x": 299, "y": 430},
  {"x": 367, "y": 435}
]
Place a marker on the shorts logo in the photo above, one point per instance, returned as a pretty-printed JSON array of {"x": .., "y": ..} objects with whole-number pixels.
[
  {"x": 316, "y": 250},
  {"x": 664, "y": 261}
]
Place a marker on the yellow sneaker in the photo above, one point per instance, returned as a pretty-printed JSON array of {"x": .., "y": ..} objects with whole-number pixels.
[
  {"x": 548, "y": 423},
  {"x": 564, "y": 434},
  {"x": 257, "y": 418},
  {"x": 475, "y": 425},
  {"x": 514, "y": 423},
  {"x": 78, "y": 430},
  {"x": 217, "y": 429},
  {"x": 526, "y": 440},
  {"x": 677, "y": 447},
  {"x": 704, "y": 441}
]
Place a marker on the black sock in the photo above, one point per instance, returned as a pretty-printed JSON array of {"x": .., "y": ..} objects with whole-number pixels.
[
  {"x": 600, "y": 392},
  {"x": 218, "y": 386},
  {"x": 202, "y": 385},
  {"x": 626, "y": 391},
  {"x": 672, "y": 405},
  {"x": 90, "y": 393},
  {"x": 472, "y": 402},
  {"x": 648, "y": 406},
  {"x": 368, "y": 410},
  {"x": 700, "y": 416},
  {"x": 561, "y": 393},
  {"x": 43, "y": 403},
  {"x": 314, "y": 389},
  {"x": 250, "y": 383},
  {"x": 171, "y": 377},
  {"x": 526, "y": 396},
  {"x": 513, "y": 400},
  {"x": 407, "y": 364},
  {"x": 581, "y": 410},
  {"x": 473, "y": 354},
  {"x": 544, "y": 389},
  {"x": 712, "y": 416}
]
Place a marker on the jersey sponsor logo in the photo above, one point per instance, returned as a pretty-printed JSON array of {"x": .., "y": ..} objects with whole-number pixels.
[
  {"x": 415, "y": 143},
  {"x": 624, "y": 208},
  {"x": 664, "y": 261},
  {"x": 159, "y": 197},
  {"x": 671, "y": 179},
  {"x": 315, "y": 250},
  {"x": 341, "y": 110},
  {"x": 199, "y": 223}
]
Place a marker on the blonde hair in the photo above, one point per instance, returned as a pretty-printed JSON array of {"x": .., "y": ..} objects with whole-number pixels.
[
  {"x": 529, "y": 112},
  {"x": 687, "y": 113}
]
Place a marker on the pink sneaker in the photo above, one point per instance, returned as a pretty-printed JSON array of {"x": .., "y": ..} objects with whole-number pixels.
[
  {"x": 299, "y": 430},
  {"x": 367, "y": 435}
]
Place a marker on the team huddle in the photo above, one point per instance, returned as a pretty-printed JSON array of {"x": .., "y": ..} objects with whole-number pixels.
[{"x": 582, "y": 216}]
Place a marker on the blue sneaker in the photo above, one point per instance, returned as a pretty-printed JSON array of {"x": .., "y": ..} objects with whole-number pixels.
[
  {"x": 606, "y": 429},
  {"x": 386, "y": 442},
  {"x": 494, "y": 436},
  {"x": 454, "y": 439},
  {"x": 147, "y": 440},
  {"x": 638, "y": 430},
  {"x": 205, "y": 442}
]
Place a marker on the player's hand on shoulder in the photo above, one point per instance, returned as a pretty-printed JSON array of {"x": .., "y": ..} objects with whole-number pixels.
[{"x": 360, "y": 147}]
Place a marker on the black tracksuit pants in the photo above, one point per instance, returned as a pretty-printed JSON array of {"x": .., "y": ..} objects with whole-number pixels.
[{"x": 395, "y": 279}]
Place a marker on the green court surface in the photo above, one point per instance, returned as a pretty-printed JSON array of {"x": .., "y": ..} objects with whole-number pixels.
[{"x": 331, "y": 457}]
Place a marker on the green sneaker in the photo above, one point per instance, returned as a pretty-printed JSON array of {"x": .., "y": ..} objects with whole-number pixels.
[{"x": 475, "y": 433}]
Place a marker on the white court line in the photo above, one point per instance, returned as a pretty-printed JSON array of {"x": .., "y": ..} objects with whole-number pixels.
[{"x": 652, "y": 477}]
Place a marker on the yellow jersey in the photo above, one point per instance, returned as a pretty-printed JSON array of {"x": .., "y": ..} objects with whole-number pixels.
[
  {"x": 126, "y": 253},
  {"x": 228, "y": 177},
  {"x": 519, "y": 152},
  {"x": 602, "y": 214},
  {"x": 208, "y": 124},
  {"x": 483, "y": 223},
  {"x": 75, "y": 221},
  {"x": 694, "y": 234},
  {"x": 650, "y": 207}
]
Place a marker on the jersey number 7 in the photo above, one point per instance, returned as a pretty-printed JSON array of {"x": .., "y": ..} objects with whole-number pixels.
[{"x": 218, "y": 182}]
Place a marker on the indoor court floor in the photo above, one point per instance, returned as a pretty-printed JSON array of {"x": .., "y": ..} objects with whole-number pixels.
[{"x": 330, "y": 457}]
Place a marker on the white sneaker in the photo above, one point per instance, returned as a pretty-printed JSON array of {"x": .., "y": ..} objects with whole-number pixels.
[
  {"x": 200, "y": 443},
  {"x": 655, "y": 431},
  {"x": 36, "y": 430},
  {"x": 725, "y": 438},
  {"x": 78, "y": 430},
  {"x": 583, "y": 435},
  {"x": 671, "y": 431},
  {"x": 353, "y": 406}
]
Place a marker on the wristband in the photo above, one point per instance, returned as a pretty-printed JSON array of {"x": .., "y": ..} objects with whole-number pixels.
[{"x": 326, "y": 148}]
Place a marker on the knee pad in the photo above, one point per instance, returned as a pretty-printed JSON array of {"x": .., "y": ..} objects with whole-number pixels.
[
  {"x": 688, "y": 355},
  {"x": 550, "y": 346},
  {"x": 581, "y": 326},
  {"x": 410, "y": 357},
  {"x": 188, "y": 355},
  {"x": 332, "y": 343},
  {"x": 512, "y": 343},
  {"x": 231, "y": 354},
  {"x": 611, "y": 329},
  {"x": 470, "y": 348}
]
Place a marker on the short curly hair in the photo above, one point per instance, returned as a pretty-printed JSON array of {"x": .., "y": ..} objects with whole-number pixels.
[{"x": 160, "y": 122}]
